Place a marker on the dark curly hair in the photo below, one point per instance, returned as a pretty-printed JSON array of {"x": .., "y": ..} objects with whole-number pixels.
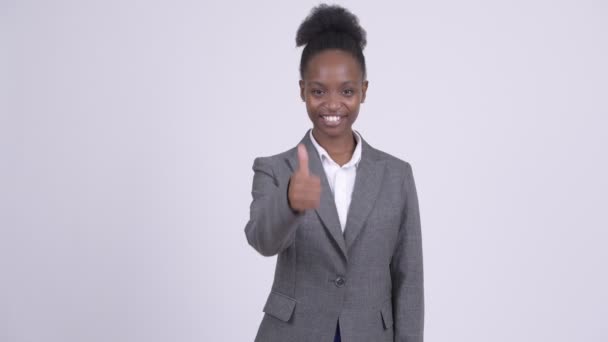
[{"x": 331, "y": 27}]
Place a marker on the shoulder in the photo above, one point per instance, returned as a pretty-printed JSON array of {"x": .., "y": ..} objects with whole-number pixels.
[
  {"x": 393, "y": 163},
  {"x": 271, "y": 161},
  {"x": 398, "y": 171}
]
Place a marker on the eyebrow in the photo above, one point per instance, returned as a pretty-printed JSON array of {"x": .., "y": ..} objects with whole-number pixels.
[{"x": 321, "y": 84}]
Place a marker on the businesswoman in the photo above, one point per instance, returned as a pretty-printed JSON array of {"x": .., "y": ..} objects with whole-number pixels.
[{"x": 341, "y": 216}]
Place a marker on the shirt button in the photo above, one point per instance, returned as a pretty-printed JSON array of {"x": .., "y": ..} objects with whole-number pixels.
[{"x": 340, "y": 282}]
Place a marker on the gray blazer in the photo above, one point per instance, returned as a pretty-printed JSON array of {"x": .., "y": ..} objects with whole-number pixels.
[{"x": 370, "y": 278}]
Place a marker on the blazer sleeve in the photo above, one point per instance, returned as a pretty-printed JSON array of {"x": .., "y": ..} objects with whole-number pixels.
[
  {"x": 272, "y": 223},
  {"x": 407, "y": 269}
]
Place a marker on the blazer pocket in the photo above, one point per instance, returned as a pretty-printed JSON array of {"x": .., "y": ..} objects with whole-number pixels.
[
  {"x": 386, "y": 311},
  {"x": 280, "y": 306}
]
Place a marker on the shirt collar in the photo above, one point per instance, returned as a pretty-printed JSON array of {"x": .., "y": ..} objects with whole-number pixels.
[{"x": 354, "y": 160}]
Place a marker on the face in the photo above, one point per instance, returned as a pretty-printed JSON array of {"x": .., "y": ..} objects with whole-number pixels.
[{"x": 333, "y": 89}]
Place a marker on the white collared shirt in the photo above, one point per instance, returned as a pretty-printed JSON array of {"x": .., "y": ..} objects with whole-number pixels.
[{"x": 341, "y": 178}]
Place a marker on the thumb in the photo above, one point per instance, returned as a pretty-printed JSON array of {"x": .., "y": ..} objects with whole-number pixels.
[{"x": 302, "y": 160}]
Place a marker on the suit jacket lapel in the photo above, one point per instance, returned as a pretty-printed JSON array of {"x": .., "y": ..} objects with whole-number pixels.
[
  {"x": 367, "y": 187},
  {"x": 327, "y": 212}
]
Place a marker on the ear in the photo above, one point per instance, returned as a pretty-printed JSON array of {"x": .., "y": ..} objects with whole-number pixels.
[
  {"x": 364, "y": 90},
  {"x": 302, "y": 90}
]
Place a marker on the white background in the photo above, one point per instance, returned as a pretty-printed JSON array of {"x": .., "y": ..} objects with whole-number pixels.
[{"x": 128, "y": 130}]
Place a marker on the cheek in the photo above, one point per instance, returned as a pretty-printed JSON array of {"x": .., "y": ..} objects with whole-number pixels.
[
  {"x": 310, "y": 108},
  {"x": 312, "y": 103},
  {"x": 353, "y": 103}
]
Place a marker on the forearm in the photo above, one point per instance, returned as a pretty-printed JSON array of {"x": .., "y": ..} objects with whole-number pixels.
[
  {"x": 272, "y": 224},
  {"x": 408, "y": 296},
  {"x": 407, "y": 270}
]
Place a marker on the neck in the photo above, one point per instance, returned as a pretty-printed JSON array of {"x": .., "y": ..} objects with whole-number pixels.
[{"x": 340, "y": 148}]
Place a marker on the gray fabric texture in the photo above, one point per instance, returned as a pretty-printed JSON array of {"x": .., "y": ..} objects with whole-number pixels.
[{"x": 370, "y": 278}]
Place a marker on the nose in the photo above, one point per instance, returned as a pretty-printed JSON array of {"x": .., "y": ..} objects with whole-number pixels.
[{"x": 333, "y": 103}]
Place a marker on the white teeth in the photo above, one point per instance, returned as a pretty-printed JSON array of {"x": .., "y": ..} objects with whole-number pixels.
[{"x": 334, "y": 118}]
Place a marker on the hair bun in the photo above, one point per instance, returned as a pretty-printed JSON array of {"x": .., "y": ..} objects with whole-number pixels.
[{"x": 330, "y": 18}]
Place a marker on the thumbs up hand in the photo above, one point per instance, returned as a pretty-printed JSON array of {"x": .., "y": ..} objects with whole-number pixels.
[{"x": 304, "y": 189}]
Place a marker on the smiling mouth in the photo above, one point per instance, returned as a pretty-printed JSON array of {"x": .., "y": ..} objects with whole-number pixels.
[{"x": 332, "y": 120}]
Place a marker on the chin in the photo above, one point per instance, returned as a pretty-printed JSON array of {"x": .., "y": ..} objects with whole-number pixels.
[{"x": 332, "y": 131}]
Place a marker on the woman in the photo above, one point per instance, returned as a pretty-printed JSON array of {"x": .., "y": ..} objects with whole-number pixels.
[{"x": 341, "y": 215}]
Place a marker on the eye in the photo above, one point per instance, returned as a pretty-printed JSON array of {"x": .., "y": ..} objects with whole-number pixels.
[
  {"x": 349, "y": 92},
  {"x": 317, "y": 92}
]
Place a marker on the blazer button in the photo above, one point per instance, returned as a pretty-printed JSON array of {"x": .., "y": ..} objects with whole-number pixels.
[{"x": 340, "y": 281}]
